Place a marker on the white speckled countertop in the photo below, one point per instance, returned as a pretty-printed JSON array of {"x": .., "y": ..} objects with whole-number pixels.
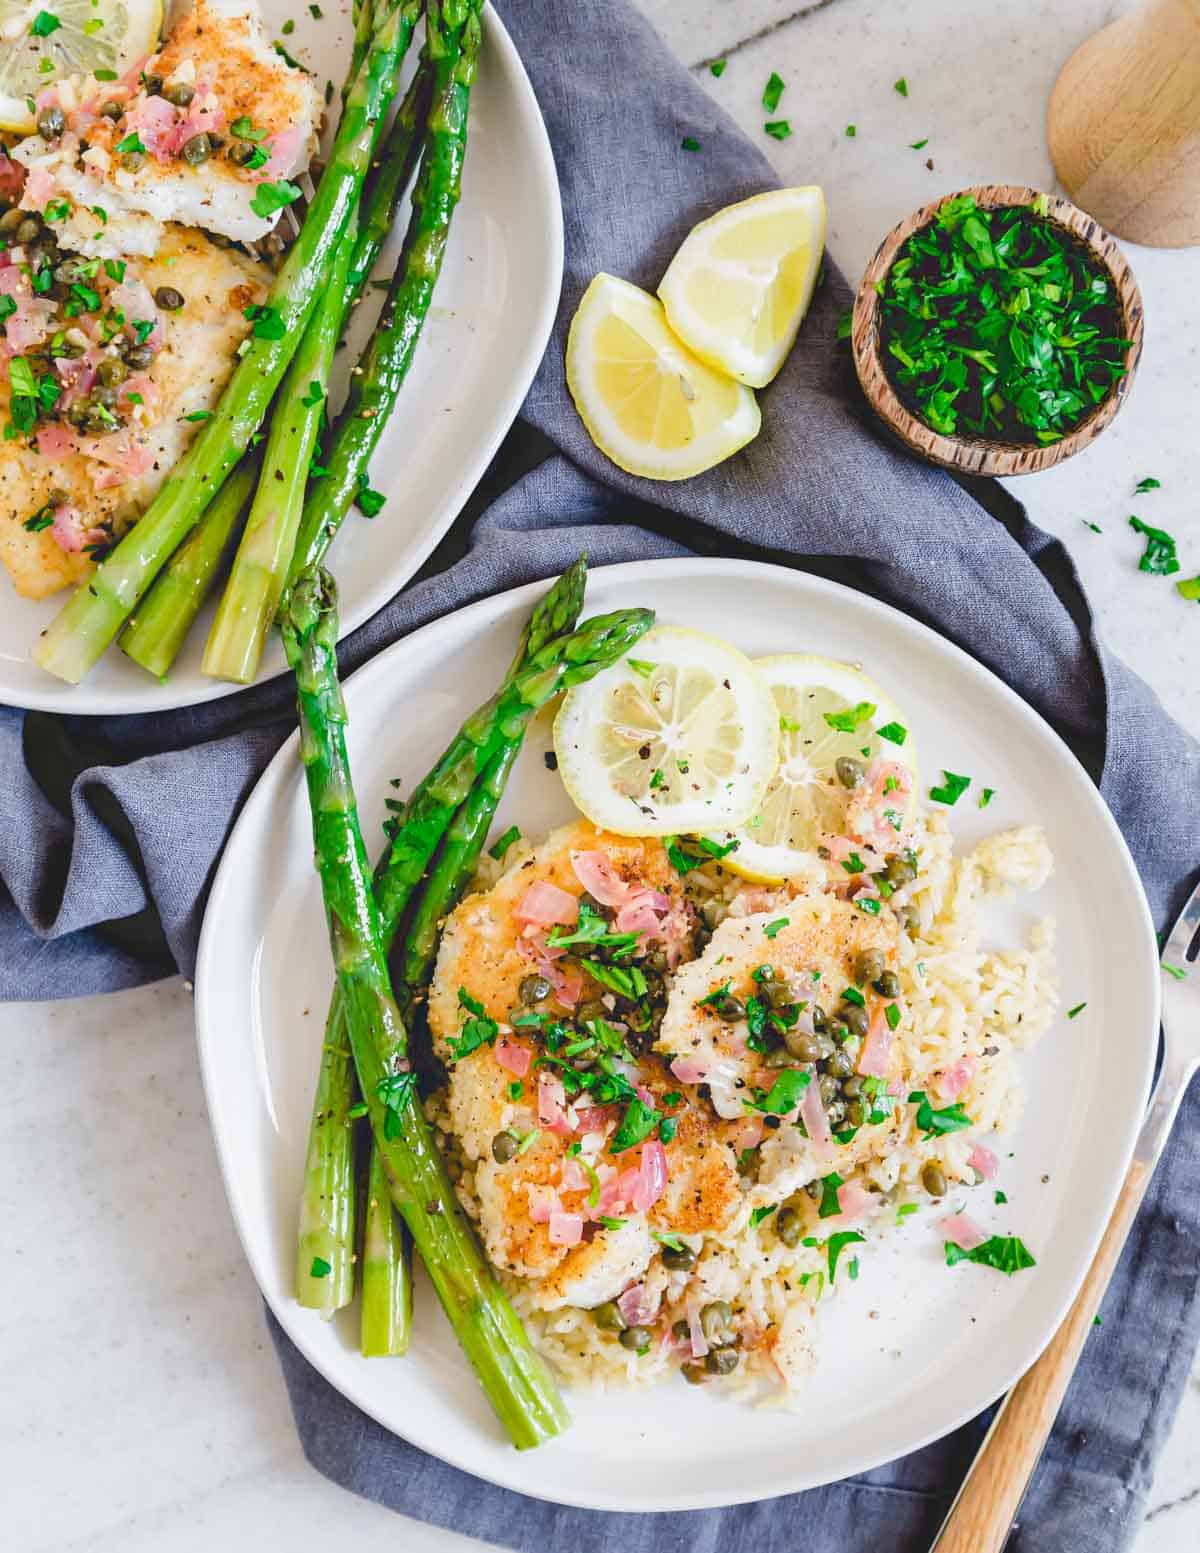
[{"x": 141, "y": 1407}]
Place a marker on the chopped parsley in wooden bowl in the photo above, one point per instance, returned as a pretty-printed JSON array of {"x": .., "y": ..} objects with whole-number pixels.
[{"x": 997, "y": 331}]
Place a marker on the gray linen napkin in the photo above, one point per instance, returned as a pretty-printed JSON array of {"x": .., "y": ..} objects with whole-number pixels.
[{"x": 110, "y": 827}]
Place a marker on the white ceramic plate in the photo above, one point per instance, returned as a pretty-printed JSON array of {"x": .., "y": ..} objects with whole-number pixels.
[
  {"x": 945, "y": 1342},
  {"x": 482, "y": 342}
]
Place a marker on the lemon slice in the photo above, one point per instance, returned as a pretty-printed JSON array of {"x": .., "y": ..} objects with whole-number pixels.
[
  {"x": 805, "y": 799},
  {"x": 647, "y": 402},
  {"x": 682, "y": 737},
  {"x": 90, "y": 35},
  {"x": 740, "y": 285}
]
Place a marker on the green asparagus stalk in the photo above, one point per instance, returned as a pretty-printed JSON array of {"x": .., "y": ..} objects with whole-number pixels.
[
  {"x": 452, "y": 50},
  {"x": 159, "y": 624},
  {"x": 83, "y": 630},
  {"x": 255, "y": 586},
  {"x": 516, "y": 1381},
  {"x": 328, "y": 1203},
  {"x": 386, "y": 1326}
]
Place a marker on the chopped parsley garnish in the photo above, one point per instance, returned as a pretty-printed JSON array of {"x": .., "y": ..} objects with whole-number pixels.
[
  {"x": 625, "y": 981},
  {"x": 313, "y": 395},
  {"x": 608, "y": 1222},
  {"x": 848, "y": 720},
  {"x": 894, "y": 733},
  {"x": 784, "y": 1095},
  {"x": 657, "y": 780},
  {"x": 57, "y": 210},
  {"x": 1148, "y": 484},
  {"x": 986, "y": 797},
  {"x": 132, "y": 144},
  {"x": 1174, "y": 970},
  {"x": 667, "y": 1128},
  {"x": 105, "y": 75},
  {"x": 528, "y": 1140},
  {"x": 516, "y": 1089},
  {"x": 591, "y": 928},
  {"x": 892, "y": 1014},
  {"x": 667, "y": 1238},
  {"x": 115, "y": 269},
  {"x": 918, "y": 145},
  {"x": 40, "y": 520},
  {"x": 270, "y": 197},
  {"x": 851, "y": 131},
  {"x": 394, "y": 1093},
  {"x": 320, "y": 1267},
  {"x": 198, "y": 415},
  {"x": 708, "y": 852},
  {"x": 479, "y": 1030},
  {"x": 8, "y": 305},
  {"x": 502, "y": 844},
  {"x": 1008, "y": 1254},
  {"x": 934, "y": 1124},
  {"x": 1001, "y": 1198},
  {"x": 829, "y": 1205},
  {"x": 900, "y": 86},
  {"x": 757, "y": 1215},
  {"x": 716, "y": 997},
  {"x": 853, "y": 864},
  {"x": 268, "y": 325},
  {"x": 689, "y": 143},
  {"x": 43, "y": 24},
  {"x": 718, "y": 67},
  {"x": 952, "y": 789},
  {"x": 773, "y": 91},
  {"x": 868, "y": 903},
  {"x": 905, "y": 1209},
  {"x": 1159, "y": 557},
  {"x": 1189, "y": 588},
  {"x": 369, "y": 502},
  {"x": 640, "y": 666},
  {"x": 288, "y": 28},
  {"x": 1072, "y": 1013},
  {"x": 836, "y": 1244},
  {"x": 773, "y": 929},
  {"x": 778, "y": 129},
  {"x": 635, "y": 1126},
  {"x": 853, "y": 995}
]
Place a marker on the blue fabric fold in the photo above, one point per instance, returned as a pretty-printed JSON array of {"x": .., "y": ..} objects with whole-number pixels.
[{"x": 110, "y": 828}]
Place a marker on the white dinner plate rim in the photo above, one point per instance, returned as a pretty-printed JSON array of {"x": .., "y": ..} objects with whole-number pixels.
[
  {"x": 144, "y": 695},
  {"x": 488, "y": 611}
]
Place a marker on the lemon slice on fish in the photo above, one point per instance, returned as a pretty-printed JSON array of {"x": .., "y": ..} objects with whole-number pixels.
[
  {"x": 48, "y": 41},
  {"x": 739, "y": 287},
  {"x": 681, "y": 737},
  {"x": 648, "y": 403},
  {"x": 827, "y": 711}
]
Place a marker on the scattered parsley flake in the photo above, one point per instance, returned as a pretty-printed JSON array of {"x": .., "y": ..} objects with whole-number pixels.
[
  {"x": 320, "y": 1267},
  {"x": 369, "y": 502},
  {"x": 778, "y": 129},
  {"x": 131, "y": 144},
  {"x": 829, "y": 1205},
  {"x": 918, "y": 145},
  {"x": 198, "y": 415},
  {"x": 851, "y": 131},
  {"x": 268, "y": 325},
  {"x": 773, "y": 91},
  {"x": 952, "y": 790},
  {"x": 836, "y": 1244},
  {"x": 900, "y": 86},
  {"x": 689, "y": 143},
  {"x": 1174, "y": 970},
  {"x": 892, "y": 1014},
  {"x": 516, "y": 1089},
  {"x": 868, "y": 903},
  {"x": 757, "y": 1215},
  {"x": 986, "y": 797},
  {"x": 784, "y": 1095},
  {"x": 1008, "y": 1254},
  {"x": 313, "y": 395},
  {"x": 1159, "y": 557},
  {"x": 1148, "y": 484},
  {"x": 270, "y": 197},
  {"x": 853, "y": 864},
  {"x": 773, "y": 929},
  {"x": 1000, "y": 1198},
  {"x": 718, "y": 67},
  {"x": 43, "y": 24},
  {"x": 501, "y": 846},
  {"x": 894, "y": 733},
  {"x": 1189, "y": 588},
  {"x": 905, "y": 1209},
  {"x": 1074, "y": 1012},
  {"x": 951, "y": 1118},
  {"x": 848, "y": 720}
]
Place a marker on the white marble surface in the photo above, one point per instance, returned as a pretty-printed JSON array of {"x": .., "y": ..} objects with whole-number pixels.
[{"x": 141, "y": 1408}]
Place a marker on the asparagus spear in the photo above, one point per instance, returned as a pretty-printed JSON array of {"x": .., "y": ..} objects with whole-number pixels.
[
  {"x": 386, "y": 1271},
  {"x": 159, "y": 624},
  {"x": 452, "y": 49},
  {"x": 81, "y": 632},
  {"x": 327, "y": 1205},
  {"x": 516, "y": 1381}
]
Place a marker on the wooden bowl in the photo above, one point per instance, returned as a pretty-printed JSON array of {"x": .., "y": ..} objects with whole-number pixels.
[{"x": 982, "y": 455}]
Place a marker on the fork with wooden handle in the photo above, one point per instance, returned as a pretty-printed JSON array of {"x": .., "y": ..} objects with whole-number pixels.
[{"x": 982, "y": 1515}]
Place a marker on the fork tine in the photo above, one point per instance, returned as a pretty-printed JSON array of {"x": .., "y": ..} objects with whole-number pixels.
[{"x": 1184, "y": 942}]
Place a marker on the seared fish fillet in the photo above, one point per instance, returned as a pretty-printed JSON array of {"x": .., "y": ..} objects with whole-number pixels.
[
  {"x": 227, "y": 114},
  {"x": 67, "y": 492},
  {"x": 580, "y": 1225}
]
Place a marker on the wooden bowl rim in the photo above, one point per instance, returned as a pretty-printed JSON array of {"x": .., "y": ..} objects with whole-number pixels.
[{"x": 979, "y": 455}]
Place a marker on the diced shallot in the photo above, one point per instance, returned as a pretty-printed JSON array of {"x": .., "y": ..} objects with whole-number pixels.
[
  {"x": 599, "y": 878},
  {"x": 543, "y": 1201},
  {"x": 652, "y": 1177},
  {"x": 566, "y": 1229},
  {"x": 551, "y": 1105},
  {"x": 963, "y": 1231},
  {"x": 982, "y": 1159},
  {"x": 873, "y": 1059},
  {"x": 545, "y": 904},
  {"x": 953, "y": 1081},
  {"x": 690, "y": 1070},
  {"x": 638, "y": 1305},
  {"x": 695, "y": 1330},
  {"x": 853, "y": 1201},
  {"x": 812, "y": 1114},
  {"x": 513, "y": 1056}
]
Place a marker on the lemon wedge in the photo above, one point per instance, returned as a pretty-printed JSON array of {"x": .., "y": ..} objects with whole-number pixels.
[
  {"x": 648, "y": 403},
  {"x": 739, "y": 287},
  {"x": 47, "y": 41},
  {"x": 682, "y": 737},
  {"x": 805, "y": 798}
]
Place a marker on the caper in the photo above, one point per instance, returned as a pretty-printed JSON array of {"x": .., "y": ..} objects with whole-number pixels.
[
  {"x": 112, "y": 371},
  {"x": 911, "y": 920},
  {"x": 820, "y": 1018},
  {"x": 722, "y": 1361},
  {"x": 138, "y": 357},
  {"x": 657, "y": 961},
  {"x": 50, "y": 123},
  {"x": 839, "y": 1031},
  {"x": 112, "y": 110},
  {"x": 840, "y": 1063},
  {"x": 57, "y": 497},
  {"x": 933, "y": 1178},
  {"x": 851, "y": 773},
  {"x": 98, "y": 420},
  {"x": 779, "y": 1058},
  {"x": 680, "y": 1331},
  {"x": 168, "y": 298},
  {"x": 70, "y": 270},
  {"x": 835, "y": 1113},
  {"x": 716, "y": 1322},
  {"x": 533, "y": 989},
  {"x": 680, "y": 1259},
  {"x": 729, "y": 1008},
  {"x": 828, "y": 1088},
  {"x": 608, "y": 1317},
  {"x": 855, "y": 1018},
  {"x": 153, "y": 84},
  {"x": 504, "y": 1148},
  {"x": 852, "y": 1087},
  {"x": 803, "y": 1046},
  {"x": 899, "y": 870},
  {"x": 888, "y": 985},
  {"x": 636, "y": 1338},
  {"x": 134, "y": 161},
  {"x": 11, "y": 220},
  {"x": 789, "y": 1226},
  {"x": 868, "y": 966},
  {"x": 197, "y": 150},
  {"x": 77, "y": 414},
  {"x": 694, "y": 1373},
  {"x": 778, "y": 994},
  {"x": 179, "y": 94},
  {"x": 105, "y": 395},
  {"x": 856, "y": 1114},
  {"x": 713, "y": 913},
  {"x": 28, "y": 231}
]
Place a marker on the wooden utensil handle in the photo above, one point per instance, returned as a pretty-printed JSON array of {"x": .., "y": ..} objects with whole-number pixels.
[{"x": 982, "y": 1515}]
